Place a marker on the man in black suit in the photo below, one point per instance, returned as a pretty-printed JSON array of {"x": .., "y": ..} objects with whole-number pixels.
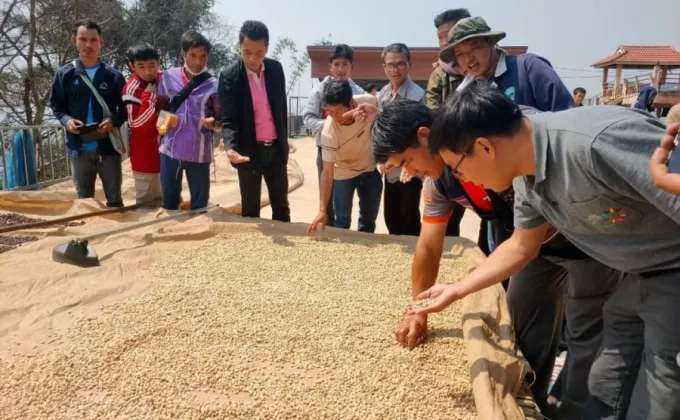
[{"x": 252, "y": 95}]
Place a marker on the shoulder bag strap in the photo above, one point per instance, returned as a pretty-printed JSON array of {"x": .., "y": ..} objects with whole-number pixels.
[
  {"x": 183, "y": 94},
  {"x": 98, "y": 97}
]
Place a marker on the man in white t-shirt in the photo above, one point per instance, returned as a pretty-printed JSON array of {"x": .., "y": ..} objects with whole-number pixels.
[{"x": 347, "y": 162}]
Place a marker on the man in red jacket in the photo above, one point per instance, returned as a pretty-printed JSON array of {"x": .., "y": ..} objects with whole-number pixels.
[{"x": 140, "y": 99}]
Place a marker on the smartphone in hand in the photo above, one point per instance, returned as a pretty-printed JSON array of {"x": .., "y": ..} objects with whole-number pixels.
[
  {"x": 89, "y": 133},
  {"x": 673, "y": 161}
]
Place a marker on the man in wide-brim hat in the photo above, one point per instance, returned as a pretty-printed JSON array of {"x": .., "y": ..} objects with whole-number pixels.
[
  {"x": 527, "y": 79},
  {"x": 473, "y": 46},
  {"x": 530, "y": 80}
]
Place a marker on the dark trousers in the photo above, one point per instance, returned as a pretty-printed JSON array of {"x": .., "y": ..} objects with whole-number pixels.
[
  {"x": 275, "y": 176},
  {"x": 87, "y": 165},
  {"x": 539, "y": 296},
  {"x": 637, "y": 373},
  {"x": 329, "y": 208},
  {"x": 483, "y": 238},
  {"x": 368, "y": 186},
  {"x": 198, "y": 178},
  {"x": 402, "y": 207}
]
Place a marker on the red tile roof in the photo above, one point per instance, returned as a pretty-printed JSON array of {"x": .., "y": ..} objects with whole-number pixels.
[{"x": 642, "y": 55}]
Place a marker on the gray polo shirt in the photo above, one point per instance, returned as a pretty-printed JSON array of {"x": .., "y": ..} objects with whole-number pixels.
[
  {"x": 592, "y": 183},
  {"x": 409, "y": 90}
]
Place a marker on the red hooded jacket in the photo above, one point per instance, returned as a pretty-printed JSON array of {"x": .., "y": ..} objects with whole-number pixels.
[{"x": 142, "y": 115}]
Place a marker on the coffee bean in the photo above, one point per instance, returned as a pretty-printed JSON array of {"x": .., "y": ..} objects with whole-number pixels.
[
  {"x": 13, "y": 219},
  {"x": 8, "y": 243}
]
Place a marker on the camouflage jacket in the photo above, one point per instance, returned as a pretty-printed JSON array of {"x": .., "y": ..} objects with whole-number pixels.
[{"x": 440, "y": 86}]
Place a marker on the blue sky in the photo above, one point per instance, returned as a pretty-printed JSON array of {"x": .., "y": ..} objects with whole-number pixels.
[{"x": 570, "y": 34}]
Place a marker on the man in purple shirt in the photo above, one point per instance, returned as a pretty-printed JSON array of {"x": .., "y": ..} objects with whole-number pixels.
[{"x": 188, "y": 146}]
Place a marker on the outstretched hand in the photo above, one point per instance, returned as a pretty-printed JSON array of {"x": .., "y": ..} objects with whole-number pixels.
[
  {"x": 236, "y": 158},
  {"x": 443, "y": 295},
  {"x": 663, "y": 179}
]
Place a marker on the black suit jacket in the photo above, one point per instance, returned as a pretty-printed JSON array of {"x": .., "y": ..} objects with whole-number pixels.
[{"x": 238, "y": 117}]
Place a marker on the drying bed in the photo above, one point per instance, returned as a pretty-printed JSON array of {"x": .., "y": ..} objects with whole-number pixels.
[{"x": 250, "y": 325}]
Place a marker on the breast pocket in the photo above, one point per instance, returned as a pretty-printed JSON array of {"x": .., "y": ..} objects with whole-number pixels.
[{"x": 605, "y": 215}]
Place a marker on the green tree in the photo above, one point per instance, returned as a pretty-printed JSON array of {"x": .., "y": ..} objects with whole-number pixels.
[
  {"x": 35, "y": 40},
  {"x": 324, "y": 42},
  {"x": 299, "y": 61}
]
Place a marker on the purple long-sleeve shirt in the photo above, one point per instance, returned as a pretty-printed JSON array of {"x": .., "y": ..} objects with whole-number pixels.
[{"x": 189, "y": 141}]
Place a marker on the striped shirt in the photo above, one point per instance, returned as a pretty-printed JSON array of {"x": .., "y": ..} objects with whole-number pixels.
[{"x": 142, "y": 115}]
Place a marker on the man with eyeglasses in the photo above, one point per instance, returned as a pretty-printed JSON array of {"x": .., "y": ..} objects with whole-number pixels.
[
  {"x": 527, "y": 79},
  {"x": 559, "y": 278},
  {"x": 402, "y": 193},
  {"x": 585, "y": 172}
]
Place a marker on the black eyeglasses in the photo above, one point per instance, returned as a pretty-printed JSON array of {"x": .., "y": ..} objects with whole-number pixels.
[
  {"x": 455, "y": 168},
  {"x": 393, "y": 67}
]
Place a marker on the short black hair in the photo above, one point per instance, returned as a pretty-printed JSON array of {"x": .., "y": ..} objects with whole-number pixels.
[
  {"x": 142, "y": 52},
  {"x": 479, "y": 110},
  {"x": 452, "y": 15},
  {"x": 398, "y": 48},
  {"x": 337, "y": 92},
  {"x": 579, "y": 90},
  {"x": 341, "y": 51},
  {"x": 396, "y": 128},
  {"x": 88, "y": 24},
  {"x": 193, "y": 39},
  {"x": 253, "y": 30},
  {"x": 369, "y": 87}
]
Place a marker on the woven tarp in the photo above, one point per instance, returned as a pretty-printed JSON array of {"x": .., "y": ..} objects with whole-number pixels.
[{"x": 40, "y": 299}]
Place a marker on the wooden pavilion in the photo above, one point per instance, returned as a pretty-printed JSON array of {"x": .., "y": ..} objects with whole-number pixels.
[{"x": 661, "y": 61}]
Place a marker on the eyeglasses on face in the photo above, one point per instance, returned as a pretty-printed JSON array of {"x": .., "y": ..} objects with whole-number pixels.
[
  {"x": 455, "y": 168},
  {"x": 395, "y": 66}
]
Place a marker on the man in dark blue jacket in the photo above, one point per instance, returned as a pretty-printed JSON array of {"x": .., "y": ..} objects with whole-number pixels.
[
  {"x": 527, "y": 79},
  {"x": 76, "y": 107}
]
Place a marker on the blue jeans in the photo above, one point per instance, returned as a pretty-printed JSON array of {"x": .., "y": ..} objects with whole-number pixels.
[
  {"x": 198, "y": 178},
  {"x": 369, "y": 187},
  {"x": 490, "y": 237}
]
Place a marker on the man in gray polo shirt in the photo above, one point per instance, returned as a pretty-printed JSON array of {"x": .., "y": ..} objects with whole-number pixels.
[
  {"x": 584, "y": 171},
  {"x": 402, "y": 198}
]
